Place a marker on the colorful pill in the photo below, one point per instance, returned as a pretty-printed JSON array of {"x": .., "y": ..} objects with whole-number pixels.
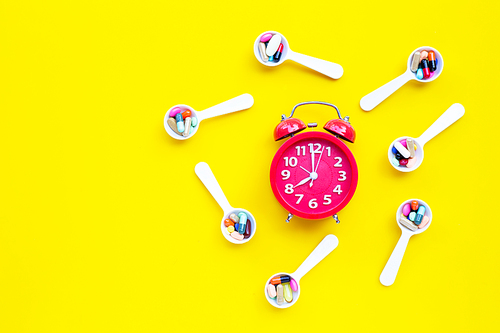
[
  {"x": 432, "y": 61},
  {"x": 410, "y": 146},
  {"x": 266, "y": 37},
  {"x": 425, "y": 68},
  {"x": 230, "y": 229},
  {"x": 412, "y": 216},
  {"x": 294, "y": 285},
  {"x": 262, "y": 51},
  {"x": 420, "y": 72},
  {"x": 394, "y": 150},
  {"x": 228, "y": 222},
  {"x": 173, "y": 125},
  {"x": 186, "y": 114},
  {"x": 273, "y": 45},
  {"x": 402, "y": 149},
  {"x": 271, "y": 59},
  {"x": 248, "y": 230},
  {"x": 414, "y": 205},
  {"x": 279, "y": 294},
  {"x": 236, "y": 235},
  {"x": 395, "y": 161},
  {"x": 175, "y": 111},
  {"x": 423, "y": 55},
  {"x": 194, "y": 121},
  {"x": 403, "y": 142},
  {"x": 234, "y": 217},
  {"x": 420, "y": 215},
  {"x": 236, "y": 226},
  {"x": 398, "y": 156},
  {"x": 180, "y": 122},
  {"x": 271, "y": 290},
  {"x": 243, "y": 222},
  {"x": 414, "y": 61},
  {"x": 277, "y": 56},
  {"x": 406, "y": 209},
  {"x": 280, "y": 279},
  {"x": 425, "y": 221},
  {"x": 407, "y": 223},
  {"x": 287, "y": 291},
  {"x": 403, "y": 161},
  {"x": 411, "y": 162},
  {"x": 187, "y": 126}
]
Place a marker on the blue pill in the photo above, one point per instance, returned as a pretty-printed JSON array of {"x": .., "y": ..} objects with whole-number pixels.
[
  {"x": 412, "y": 216},
  {"x": 394, "y": 150},
  {"x": 271, "y": 59},
  {"x": 420, "y": 74}
]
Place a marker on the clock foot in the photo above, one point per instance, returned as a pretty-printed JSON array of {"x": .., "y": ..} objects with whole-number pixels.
[
  {"x": 290, "y": 215},
  {"x": 336, "y": 218}
]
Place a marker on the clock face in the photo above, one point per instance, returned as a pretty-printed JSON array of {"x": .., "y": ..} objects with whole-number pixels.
[{"x": 314, "y": 175}]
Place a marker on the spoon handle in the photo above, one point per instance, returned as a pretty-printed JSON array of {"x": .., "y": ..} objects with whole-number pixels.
[
  {"x": 370, "y": 101},
  {"x": 327, "y": 245},
  {"x": 327, "y": 68},
  {"x": 207, "y": 177},
  {"x": 454, "y": 112},
  {"x": 239, "y": 103},
  {"x": 391, "y": 269}
]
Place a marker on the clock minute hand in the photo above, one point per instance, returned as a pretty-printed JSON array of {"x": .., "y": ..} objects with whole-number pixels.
[
  {"x": 303, "y": 181},
  {"x": 316, "y": 169}
]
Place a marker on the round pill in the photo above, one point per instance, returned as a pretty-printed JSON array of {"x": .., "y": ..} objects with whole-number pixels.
[
  {"x": 403, "y": 161},
  {"x": 230, "y": 229},
  {"x": 175, "y": 111},
  {"x": 294, "y": 285},
  {"x": 266, "y": 37},
  {"x": 406, "y": 209}
]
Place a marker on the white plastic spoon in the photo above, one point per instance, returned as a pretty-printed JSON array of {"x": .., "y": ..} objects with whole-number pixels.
[
  {"x": 207, "y": 177},
  {"x": 391, "y": 269},
  {"x": 239, "y": 103},
  {"x": 327, "y": 68},
  {"x": 376, "y": 97},
  {"x": 327, "y": 245},
  {"x": 454, "y": 112}
]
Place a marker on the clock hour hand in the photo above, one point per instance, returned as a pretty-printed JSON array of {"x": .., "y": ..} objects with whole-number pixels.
[{"x": 303, "y": 181}]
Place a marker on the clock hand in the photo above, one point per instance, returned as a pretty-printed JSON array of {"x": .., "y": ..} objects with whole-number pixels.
[
  {"x": 302, "y": 182},
  {"x": 317, "y": 165},
  {"x": 305, "y": 169}
]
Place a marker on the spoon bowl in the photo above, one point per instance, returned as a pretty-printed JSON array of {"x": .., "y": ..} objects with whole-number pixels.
[
  {"x": 208, "y": 179},
  {"x": 370, "y": 101},
  {"x": 391, "y": 269},
  {"x": 235, "y": 104},
  {"x": 324, "y": 248},
  {"x": 450, "y": 116},
  {"x": 330, "y": 69}
]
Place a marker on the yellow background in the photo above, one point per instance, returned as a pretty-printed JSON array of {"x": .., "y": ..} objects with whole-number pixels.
[{"x": 104, "y": 226}]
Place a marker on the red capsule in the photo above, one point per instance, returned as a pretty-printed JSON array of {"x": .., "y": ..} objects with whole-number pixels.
[
  {"x": 414, "y": 205},
  {"x": 186, "y": 114},
  {"x": 248, "y": 230},
  {"x": 425, "y": 68},
  {"x": 228, "y": 222}
]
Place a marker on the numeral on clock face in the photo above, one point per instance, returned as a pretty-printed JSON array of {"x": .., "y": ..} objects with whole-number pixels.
[
  {"x": 286, "y": 174},
  {"x": 337, "y": 190},
  {"x": 339, "y": 162},
  {"x": 314, "y": 148},
  {"x": 342, "y": 176},
  {"x": 301, "y": 148},
  {"x": 292, "y": 161}
]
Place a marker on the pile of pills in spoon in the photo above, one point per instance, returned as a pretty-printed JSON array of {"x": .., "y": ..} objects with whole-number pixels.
[
  {"x": 413, "y": 216},
  {"x": 270, "y": 47},
  {"x": 238, "y": 226},
  {"x": 424, "y": 64},
  {"x": 404, "y": 153},
  {"x": 182, "y": 122},
  {"x": 281, "y": 287}
]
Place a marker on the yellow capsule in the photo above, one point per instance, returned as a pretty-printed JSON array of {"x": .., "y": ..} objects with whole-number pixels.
[
  {"x": 288, "y": 292},
  {"x": 411, "y": 147},
  {"x": 230, "y": 229}
]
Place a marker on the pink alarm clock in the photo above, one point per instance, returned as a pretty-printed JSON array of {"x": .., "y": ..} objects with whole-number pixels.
[{"x": 314, "y": 174}]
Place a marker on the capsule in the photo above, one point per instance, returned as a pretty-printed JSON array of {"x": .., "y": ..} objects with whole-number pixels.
[
  {"x": 279, "y": 294},
  {"x": 180, "y": 122},
  {"x": 194, "y": 121},
  {"x": 415, "y": 61},
  {"x": 425, "y": 68},
  {"x": 420, "y": 72},
  {"x": 280, "y": 279},
  {"x": 420, "y": 215},
  {"x": 248, "y": 230},
  {"x": 407, "y": 223},
  {"x": 242, "y": 223},
  {"x": 186, "y": 114},
  {"x": 287, "y": 291},
  {"x": 414, "y": 205},
  {"x": 271, "y": 59},
  {"x": 271, "y": 290},
  {"x": 187, "y": 126},
  {"x": 262, "y": 51},
  {"x": 277, "y": 55},
  {"x": 432, "y": 61}
]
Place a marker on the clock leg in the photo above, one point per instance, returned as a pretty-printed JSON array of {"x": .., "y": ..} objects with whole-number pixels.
[
  {"x": 290, "y": 215},
  {"x": 336, "y": 218}
]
